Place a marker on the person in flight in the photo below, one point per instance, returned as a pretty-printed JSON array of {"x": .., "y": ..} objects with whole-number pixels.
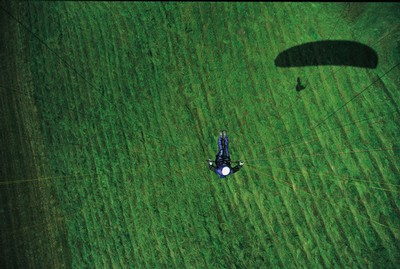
[{"x": 222, "y": 161}]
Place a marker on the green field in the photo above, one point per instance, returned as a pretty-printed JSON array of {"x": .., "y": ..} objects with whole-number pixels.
[{"x": 108, "y": 112}]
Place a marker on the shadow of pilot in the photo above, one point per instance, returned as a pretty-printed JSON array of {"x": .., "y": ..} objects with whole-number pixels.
[{"x": 299, "y": 87}]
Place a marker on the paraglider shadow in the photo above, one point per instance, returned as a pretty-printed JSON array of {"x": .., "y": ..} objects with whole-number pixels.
[{"x": 328, "y": 52}]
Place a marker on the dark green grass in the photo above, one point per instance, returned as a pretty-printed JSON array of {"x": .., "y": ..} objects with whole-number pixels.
[{"x": 124, "y": 128}]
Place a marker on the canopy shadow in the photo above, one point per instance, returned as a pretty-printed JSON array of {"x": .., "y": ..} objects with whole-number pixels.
[{"x": 328, "y": 52}]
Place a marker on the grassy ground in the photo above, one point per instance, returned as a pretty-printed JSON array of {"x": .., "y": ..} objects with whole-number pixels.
[{"x": 109, "y": 111}]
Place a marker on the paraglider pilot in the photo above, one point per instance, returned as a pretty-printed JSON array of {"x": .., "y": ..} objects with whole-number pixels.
[{"x": 223, "y": 161}]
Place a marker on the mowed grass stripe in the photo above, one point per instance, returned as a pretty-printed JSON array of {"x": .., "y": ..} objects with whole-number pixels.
[
  {"x": 94, "y": 242},
  {"x": 386, "y": 167},
  {"x": 128, "y": 177},
  {"x": 145, "y": 216},
  {"x": 377, "y": 163},
  {"x": 326, "y": 199},
  {"x": 268, "y": 222},
  {"x": 131, "y": 218},
  {"x": 333, "y": 200},
  {"x": 125, "y": 223},
  {"x": 278, "y": 214},
  {"x": 134, "y": 219},
  {"x": 152, "y": 209},
  {"x": 95, "y": 218},
  {"x": 360, "y": 162},
  {"x": 311, "y": 222},
  {"x": 145, "y": 179},
  {"x": 319, "y": 227},
  {"x": 282, "y": 227},
  {"x": 299, "y": 198},
  {"x": 287, "y": 236},
  {"x": 308, "y": 223},
  {"x": 326, "y": 187},
  {"x": 265, "y": 58},
  {"x": 51, "y": 231},
  {"x": 34, "y": 247},
  {"x": 254, "y": 83},
  {"x": 358, "y": 214},
  {"x": 317, "y": 240},
  {"x": 90, "y": 219},
  {"x": 213, "y": 65},
  {"x": 373, "y": 162},
  {"x": 156, "y": 206},
  {"x": 258, "y": 222},
  {"x": 176, "y": 109},
  {"x": 245, "y": 216},
  {"x": 104, "y": 202},
  {"x": 383, "y": 135},
  {"x": 120, "y": 172},
  {"x": 256, "y": 77},
  {"x": 112, "y": 216}
]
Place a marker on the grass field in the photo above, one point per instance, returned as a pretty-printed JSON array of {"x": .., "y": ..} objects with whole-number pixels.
[{"x": 108, "y": 112}]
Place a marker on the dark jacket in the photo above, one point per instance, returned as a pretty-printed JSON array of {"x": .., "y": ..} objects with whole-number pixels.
[{"x": 218, "y": 170}]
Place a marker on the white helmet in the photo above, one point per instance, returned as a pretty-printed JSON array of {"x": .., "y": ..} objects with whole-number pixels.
[{"x": 226, "y": 170}]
